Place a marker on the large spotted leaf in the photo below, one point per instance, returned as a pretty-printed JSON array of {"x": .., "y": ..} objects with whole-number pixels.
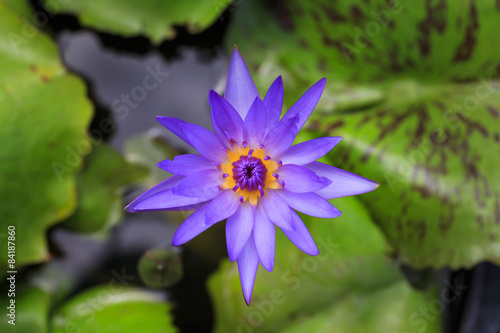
[
  {"x": 436, "y": 156},
  {"x": 349, "y": 43},
  {"x": 351, "y": 266},
  {"x": 155, "y": 19},
  {"x": 431, "y": 39},
  {"x": 388, "y": 90},
  {"x": 44, "y": 113},
  {"x": 370, "y": 40}
]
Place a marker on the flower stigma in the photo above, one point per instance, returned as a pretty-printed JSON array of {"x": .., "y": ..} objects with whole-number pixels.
[{"x": 250, "y": 172}]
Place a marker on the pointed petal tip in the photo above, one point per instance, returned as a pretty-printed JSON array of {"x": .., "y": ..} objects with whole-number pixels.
[
  {"x": 335, "y": 140},
  {"x": 240, "y": 88},
  {"x": 335, "y": 212},
  {"x": 128, "y": 209},
  {"x": 132, "y": 207},
  {"x": 314, "y": 253},
  {"x": 167, "y": 122},
  {"x": 373, "y": 185},
  {"x": 176, "y": 241},
  {"x": 326, "y": 181},
  {"x": 236, "y": 51},
  {"x": 211, "y": 97},
  {"x": 320, "y": 85},
  {"x": 247, "y": 296},
  {"x": 162, "y": 118},
  {"x": 179, "y": 238},
  {"x": 212, "y": 93},
  {"x": 163, "y": 163}
]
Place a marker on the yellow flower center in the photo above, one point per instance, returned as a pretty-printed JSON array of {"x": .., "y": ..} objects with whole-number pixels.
[{"x": 234, "y": 155}]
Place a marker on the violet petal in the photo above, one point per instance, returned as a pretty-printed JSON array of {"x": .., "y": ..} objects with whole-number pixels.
[
  {"x": 265, "y": 238},
  {"x": 248, "y": 262},
  {"x": 344, "y": 183},
  {"x": 299, "y": 179},
  {"x": 301, "y": 237},
  {"x": 205, "y": 142},
  {"x": 184, "y": 165},
  {"x": 201, "y": 184},
  {"x": 240, "y": 88},
  {"x": 222, "y": 206},
  {"x": 306, "y": 103},
  {"x": 191, "y": 227},
  {"x": 277, "y": 210},
  {"x": 226, "y": 117},
  {"x": 274, "y": 102},
  {"x": 310, "y": 204},
  {"x": 166, "y": 199},
  {"x": 255, "y": 124},
  {"x": 281, "y": 137},
  {"x": 309, "y": 151},
  {"x": 167, "y": 184},
  {"x": 239, "y": 227}
]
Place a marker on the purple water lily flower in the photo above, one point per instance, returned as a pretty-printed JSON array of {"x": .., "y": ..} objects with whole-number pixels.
[{"x": 249, "y": 173}]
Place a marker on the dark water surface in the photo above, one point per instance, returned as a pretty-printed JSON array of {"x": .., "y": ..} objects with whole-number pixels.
[{"x": 138, "y": 88}]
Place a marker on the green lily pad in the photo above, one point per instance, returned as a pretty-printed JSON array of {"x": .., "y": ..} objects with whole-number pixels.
[
  {"x": 352, "y": 261},
  {"x": 100, "y": 187},
  {"x": 370, "y": 40},
  {"x": 44, "y": 116},
  {"x": 156, "y": 20},
  {"x": 161, "y": 267},
  {"x": 392, "y": 308},
  {"x": 435, "y": 156},
  {"x": 107, "y": 309}
]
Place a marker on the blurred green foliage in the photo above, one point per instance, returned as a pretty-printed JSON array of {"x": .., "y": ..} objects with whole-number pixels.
[
  {"x": 43, "y": 135},
  {"x": 100, "y": 186},
  {"x": 31, "y": 311},
  {"x": 107, "y": 309},
  {"x": 157, "y": 20}
]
